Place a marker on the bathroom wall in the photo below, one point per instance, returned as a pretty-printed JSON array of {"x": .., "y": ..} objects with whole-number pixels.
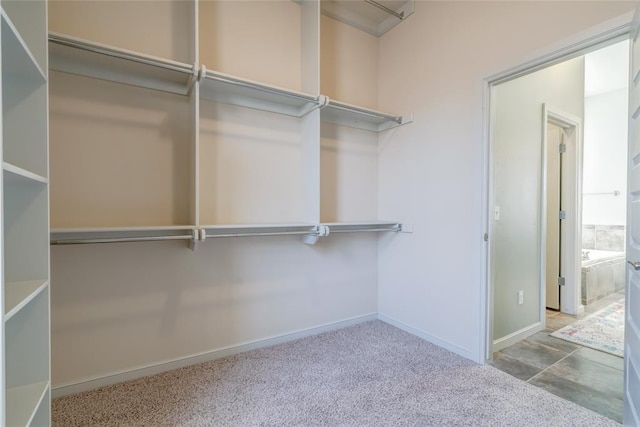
[
  {"x": 604, "y": 201},
  {"x": 603, "y": 237},
  {"x": 605, "y": 157}
]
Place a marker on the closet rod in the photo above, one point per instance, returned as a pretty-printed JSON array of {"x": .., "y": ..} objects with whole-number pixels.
[
  {"x": 359, "y": 230},
  {"x": 610, "y": 193},
  {"x": 266, "y": 89},
  {"x": 364, "y": 112},
  {"x": 272, "y": 233},
  {"x": 103, "y": 50},
  {"x": 386, "y": 9},
  {"x": 119, "y": 240}
]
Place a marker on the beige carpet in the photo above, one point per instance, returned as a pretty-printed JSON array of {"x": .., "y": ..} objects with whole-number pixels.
[{"x": 370, "y": 374}]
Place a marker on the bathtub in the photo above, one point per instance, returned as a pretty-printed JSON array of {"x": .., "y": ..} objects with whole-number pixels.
[{"x": 602, "y": 274}]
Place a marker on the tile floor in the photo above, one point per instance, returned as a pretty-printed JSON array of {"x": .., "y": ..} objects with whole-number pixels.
[{"x": 587, "y": 377}]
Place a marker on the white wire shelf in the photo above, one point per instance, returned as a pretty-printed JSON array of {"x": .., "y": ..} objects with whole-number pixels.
[
  {"x": 344, "y": 114},
  {"x": 228, "y": 89},
  {"x": 256, "y": 230},
  {"x": 76, "y": 236},
  {"x": 61, "y": 236},
  {"x": 363, "y": 226},
  {"x": 77, "y": 56},
  {"x": 375, "y": 17},
  {"x": 81, "y": 57}
]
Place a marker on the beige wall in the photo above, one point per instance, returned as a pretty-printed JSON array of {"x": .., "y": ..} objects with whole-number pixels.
[{"x": 159, "y": 28}]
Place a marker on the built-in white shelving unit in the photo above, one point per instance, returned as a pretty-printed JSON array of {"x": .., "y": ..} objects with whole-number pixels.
[
  {"x": 25, "y": 376},
  {"x": 259, "y": 164},
  {"x": 376, "y": 17}
]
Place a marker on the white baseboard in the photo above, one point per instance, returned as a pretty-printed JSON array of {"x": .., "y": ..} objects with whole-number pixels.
[
  {"x": 516, "y": 336},
  {"x": 117, "y": 377},
  {"x": 427, "y": 337}
]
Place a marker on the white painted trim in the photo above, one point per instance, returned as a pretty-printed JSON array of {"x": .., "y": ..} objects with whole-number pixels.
[
  {"x": 487, "y": 227},
  {"x": 600, "y": 35},
  {"x": 544, "y": 197},
  {"x": 597, "y": 37},
  {"x": 427, "y": 337},
  {"x": 516, "y": 336},
  {"x": 143, "y": 371}
]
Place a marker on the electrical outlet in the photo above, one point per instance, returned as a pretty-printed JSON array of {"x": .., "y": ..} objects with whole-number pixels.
[{"x": 520, "y": 297}]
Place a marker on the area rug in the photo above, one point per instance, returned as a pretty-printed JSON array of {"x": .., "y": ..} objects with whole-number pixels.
[{"x": 602, "y": 330}]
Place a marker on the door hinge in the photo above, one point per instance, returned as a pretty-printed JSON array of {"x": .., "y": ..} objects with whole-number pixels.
[
  {"x": 560, "y": 281},
  {"x": 562, "y": 148},
  {"x": 562, "y": 215},
  {"x": 486, "y": 237}
]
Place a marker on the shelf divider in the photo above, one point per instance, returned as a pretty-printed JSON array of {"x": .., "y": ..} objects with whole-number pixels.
[
  {"x": 15, "y": 173},
  {"x": 18, "y": 294},
  {"x": 23, "y": 63},
  {"x": 22, "y": 402}
]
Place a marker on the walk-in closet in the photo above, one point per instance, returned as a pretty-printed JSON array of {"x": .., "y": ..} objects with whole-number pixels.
[
  {"x": 190, "y": 189},
  {"x": 213, "y": 171}
]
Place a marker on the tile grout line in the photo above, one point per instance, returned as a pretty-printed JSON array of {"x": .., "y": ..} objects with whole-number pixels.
[{"x": 553, "y": 364}]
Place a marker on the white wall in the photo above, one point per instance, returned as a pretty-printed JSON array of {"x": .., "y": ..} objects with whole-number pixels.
[
  {"x": 517, "y": 157},
  {"x": 431, "y": 173},
  {"x": 605, "y": 155}
]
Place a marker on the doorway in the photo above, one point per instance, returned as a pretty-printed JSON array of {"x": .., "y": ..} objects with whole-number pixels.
[
  {"x": 562, "y": 181},
  {"x": 537, "y": 198},
  {"x": 558, "y": 225},
  {"x": 554, "y": 144},
  {"x": 521, "y": 110},
  {"x": 561, "y": 189}
]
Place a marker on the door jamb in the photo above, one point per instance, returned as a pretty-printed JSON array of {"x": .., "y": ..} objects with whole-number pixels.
[{"x": 571, "y": 233}]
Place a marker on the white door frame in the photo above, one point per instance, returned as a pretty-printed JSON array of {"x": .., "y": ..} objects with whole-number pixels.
[
  {"x": 602, "y": 35},
  {"x": 571, "y": 232}
]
